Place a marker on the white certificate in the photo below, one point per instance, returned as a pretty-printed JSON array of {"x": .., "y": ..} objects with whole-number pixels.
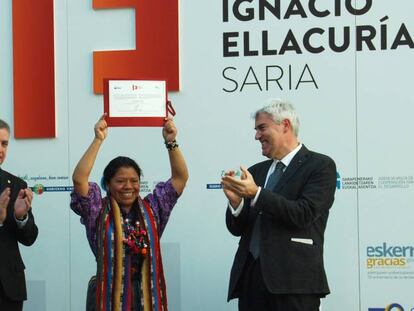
[{"x": 137, "y": 98}]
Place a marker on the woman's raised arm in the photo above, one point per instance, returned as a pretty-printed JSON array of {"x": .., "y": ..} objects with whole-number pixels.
[
  {"x": 179, "y": 171},
  {"x": 83, "y": 169}
]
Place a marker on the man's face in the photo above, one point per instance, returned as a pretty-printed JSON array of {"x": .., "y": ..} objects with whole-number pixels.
[
  {"x": 270, "y": 136},
  {"x": 4, "y": 143}
]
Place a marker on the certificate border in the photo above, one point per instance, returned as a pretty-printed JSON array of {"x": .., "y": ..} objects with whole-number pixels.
[{"x": 132, "y": 121}]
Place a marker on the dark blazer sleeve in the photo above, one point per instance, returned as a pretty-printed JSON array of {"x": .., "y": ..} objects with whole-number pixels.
[
  {"x": 309, "y": 194},
  {"x": 237, "y": 225},
  {"x": 28, "y": 233}
]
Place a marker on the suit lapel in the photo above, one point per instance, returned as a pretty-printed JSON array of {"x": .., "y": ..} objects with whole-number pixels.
[
  {"x": 3, "y": 180},
  {"x": 300, "y": 158}
]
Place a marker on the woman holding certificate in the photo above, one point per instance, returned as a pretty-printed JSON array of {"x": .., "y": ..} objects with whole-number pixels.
[{"x": 124, "y": 229}]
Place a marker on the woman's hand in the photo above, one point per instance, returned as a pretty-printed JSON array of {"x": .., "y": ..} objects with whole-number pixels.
[
  {"x": 169, "y": 131},
  {"x": 101, "y": 128}
]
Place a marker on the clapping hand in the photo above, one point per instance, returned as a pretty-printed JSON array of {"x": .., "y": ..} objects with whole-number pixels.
[
  {"x": 23, "y": 203},
  {"x": 235, "y": 188},
  {"x": 4, "y": 201}
]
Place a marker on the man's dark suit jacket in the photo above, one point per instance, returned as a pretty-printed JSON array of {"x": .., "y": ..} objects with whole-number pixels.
[
  {"x": 297, "y": 208},
  {"x": 12, "y": 277}
]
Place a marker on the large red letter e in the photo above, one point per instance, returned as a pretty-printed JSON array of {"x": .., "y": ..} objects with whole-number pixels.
[{"x": 156, "y": 54}]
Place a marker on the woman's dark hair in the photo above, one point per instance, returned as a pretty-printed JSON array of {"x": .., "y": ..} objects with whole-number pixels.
[{"x": 114, "y": 165}]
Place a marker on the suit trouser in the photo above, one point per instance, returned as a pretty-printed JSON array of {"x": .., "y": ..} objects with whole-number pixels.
[
  {"x": 254, "y": 295},
  {"x": 8, "y": 305}
]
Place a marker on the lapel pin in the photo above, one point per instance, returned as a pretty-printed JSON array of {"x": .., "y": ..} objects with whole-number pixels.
[{"x": 8, "y": 181}]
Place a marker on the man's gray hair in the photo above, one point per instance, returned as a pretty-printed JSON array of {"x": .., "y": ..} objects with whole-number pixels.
[
  {"x": 280, "y": 110},
  {"x": 4, "y": 125}
]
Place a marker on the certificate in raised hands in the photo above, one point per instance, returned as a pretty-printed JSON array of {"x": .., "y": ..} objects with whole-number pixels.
[{"x": 135, "y": 102}]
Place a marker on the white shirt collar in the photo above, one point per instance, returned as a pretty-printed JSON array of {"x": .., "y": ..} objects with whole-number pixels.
[{"x": 288, "y": 158}]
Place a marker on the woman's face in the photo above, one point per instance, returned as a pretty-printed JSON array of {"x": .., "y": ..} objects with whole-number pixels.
[{"x": 124, "y": 187}]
